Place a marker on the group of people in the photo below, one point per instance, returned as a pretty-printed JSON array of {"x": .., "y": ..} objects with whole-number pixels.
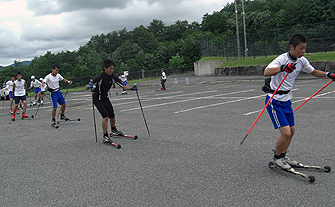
[{"x": 18, "y": 92}]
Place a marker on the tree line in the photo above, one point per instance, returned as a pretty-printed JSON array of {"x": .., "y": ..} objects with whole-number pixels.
[{"x": 158, "y": 45}]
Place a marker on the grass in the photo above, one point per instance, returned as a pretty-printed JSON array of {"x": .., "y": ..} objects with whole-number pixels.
[{"x": 261, "y": 60}]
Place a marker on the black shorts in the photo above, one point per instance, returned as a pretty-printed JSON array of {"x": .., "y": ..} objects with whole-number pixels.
[
  {"x": 105, "y": 108},
  {"x": 18, "y": 98}
]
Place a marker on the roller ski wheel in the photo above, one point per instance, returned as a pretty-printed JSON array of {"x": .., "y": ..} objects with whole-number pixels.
[
  {"x": 327, "y": 169},
  {"x": 124, "y": 136},
  {"x": 311, "y": 179}
]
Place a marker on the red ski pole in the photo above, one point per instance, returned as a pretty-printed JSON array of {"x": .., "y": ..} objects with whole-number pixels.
[
  {"x": 260, "y": 114},
  {"x": 313, "y": 95}
]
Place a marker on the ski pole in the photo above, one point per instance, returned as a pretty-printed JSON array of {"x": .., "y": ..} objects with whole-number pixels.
[
  {"x": 95, "y": 126},
  {"x": 260, "y": 114},
  {"x": 313, "y": 95},
  {"x": 32, "y": 116},
  {"x": 145, "y": 121}
]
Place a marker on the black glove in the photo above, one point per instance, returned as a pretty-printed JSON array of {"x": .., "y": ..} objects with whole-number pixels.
[
  {"x": 134, "y": 88},
  {"x": 289, "y": 68},
  {"x": 26, "y": 93},
  {"x": 330, "y": 75}
]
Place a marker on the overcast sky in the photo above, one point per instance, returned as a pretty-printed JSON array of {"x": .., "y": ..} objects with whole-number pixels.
[{"x": 30, "y": 28}]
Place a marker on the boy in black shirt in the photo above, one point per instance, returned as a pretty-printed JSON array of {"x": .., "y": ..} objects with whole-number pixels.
[{"x": 100, "y": 85}]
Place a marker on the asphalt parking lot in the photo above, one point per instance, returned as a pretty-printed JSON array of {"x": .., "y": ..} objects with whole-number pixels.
[{"x": 192, "y": 157}]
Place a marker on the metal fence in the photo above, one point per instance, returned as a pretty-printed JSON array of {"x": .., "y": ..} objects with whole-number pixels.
[{"x": 320, "y": 38}]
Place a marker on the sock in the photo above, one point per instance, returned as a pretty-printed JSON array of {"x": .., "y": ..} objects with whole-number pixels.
[
  {"x": 62, "y": 115},
  {"x": 282, "y": 155},
  {"x": 277, "y": 156},
  {"x": 114, "y": 128},
  {"x": 53, "y": 120},
  {"x": 106, "y": 134}
]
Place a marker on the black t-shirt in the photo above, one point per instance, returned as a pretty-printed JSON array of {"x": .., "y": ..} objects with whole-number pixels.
[{"x": 104, "y": 83}]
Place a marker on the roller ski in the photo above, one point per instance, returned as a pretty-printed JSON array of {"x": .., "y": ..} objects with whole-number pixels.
[
  {"x": 117, "y": 133},
  {"x": 24, "y": 116},
  {"x": 108, "y": 141},
  {"x": 283, "y": 164},
  {"x": 68, "y": 120}
]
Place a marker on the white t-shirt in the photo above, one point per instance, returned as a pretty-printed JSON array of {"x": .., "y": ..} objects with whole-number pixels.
[
  {"x": 53, "y": 81},
  {"x": 19, "y": 88},
  {"x": 283, "y": 59},
  {"x": 9, "y": 86},
  {"x": 163, "y": 76},
  {"x": 35, "y": 84}
]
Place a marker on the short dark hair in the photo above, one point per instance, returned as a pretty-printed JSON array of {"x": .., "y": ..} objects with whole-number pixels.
[
  {"x": 18, "y": 73},
  {"x": 297, "y": 39},
  {"x": 54, "y": 67},
  {"x": 12, "y": 76},
  {"x": 106, "y": 63}
]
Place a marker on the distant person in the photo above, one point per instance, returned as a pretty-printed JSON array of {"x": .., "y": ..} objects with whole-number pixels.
[
  {"x": 37, "y": 89},
  {"x": 42, "y": 90},
  {"x": 163, "y": 80},
  {"x": 279, "y": 108},
  {"x": 55, "y": 94},
  {"x": 124, "y": 81},
  {"x": 9, "y": 88},
  {"x": 19, "y": 91}
]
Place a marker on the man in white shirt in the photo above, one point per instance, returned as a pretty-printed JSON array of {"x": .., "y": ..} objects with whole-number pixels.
[
  {"x": 19, "y": 91},
  {"x": 9, "y": 88},
  {"x": 55, "y": 94},
  {"x": 279, "y": 109},
  {"x": 37, "y": 89}
]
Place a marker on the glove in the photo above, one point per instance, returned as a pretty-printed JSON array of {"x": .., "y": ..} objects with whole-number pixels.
[
  {"x": 289, "y": 68},
  {"x": 69, "y": 82},
  {"x": 134, "y": 88},
  {"x": 90, "y": 85},
  {"x": 330, "y": 75}
]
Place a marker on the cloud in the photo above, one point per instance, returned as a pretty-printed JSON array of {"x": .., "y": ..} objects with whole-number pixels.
[{"x": 30, "y": 28}]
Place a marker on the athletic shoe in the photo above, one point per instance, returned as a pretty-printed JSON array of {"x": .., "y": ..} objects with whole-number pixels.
[
  {"x": 106, "y": 139},
  {"x": 42, "y": 102},
  {"x": 34, "y": 103},
  {"x": 13, "y": 117},
  {"x": 62, "y": 117},
  {"x": 115, "y": 131},
  {"x": 54, "y": 124},
  {"x": 281, "y": 163},
  {"x": 24, "y": 115},
  {"x": 291, "y": 162},
  {"x": 17, "y": 111},
  {"x": 124, "y": 92},
  {"x": 11, "y": 111}
]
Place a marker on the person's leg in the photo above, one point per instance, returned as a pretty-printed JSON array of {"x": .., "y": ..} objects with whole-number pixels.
[
  {"x": 285, "y": 138},
  {"x": 53, "y": 113},
  {"x": 104, "y": 125},
  {"x": 24, "y": 106},
  {"x": 63, "y": 108}
]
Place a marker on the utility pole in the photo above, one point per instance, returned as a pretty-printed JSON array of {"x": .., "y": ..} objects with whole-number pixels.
[
  {"x": 245, "y": 31},
  {"x": 237, "y": 32}
]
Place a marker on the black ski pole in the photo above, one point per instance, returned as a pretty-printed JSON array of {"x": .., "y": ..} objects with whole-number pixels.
[
  {"x": 32, "y": 116},
  {"x": 95, "y": 126},
  {"x": 145, "y": 121}
]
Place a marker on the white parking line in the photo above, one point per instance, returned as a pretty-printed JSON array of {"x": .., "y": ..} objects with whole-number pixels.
[
  {"x": 217, "y": 104},
  {"x": 174, "y": 102}
]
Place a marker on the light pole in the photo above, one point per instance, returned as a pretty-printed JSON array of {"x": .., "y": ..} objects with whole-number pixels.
[
  {"x": 245, "y": 31},
  {"x": 237, "y": 32}
]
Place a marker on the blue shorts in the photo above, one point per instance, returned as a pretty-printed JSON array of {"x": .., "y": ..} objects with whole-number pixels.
[
  {"x": 10, "y": 94},
  {"x": 56, "y": 97},
  {"x": 37, "y": 90},
  {"x": 19, "y": 98},
  {"x": 280, "y": 112}
]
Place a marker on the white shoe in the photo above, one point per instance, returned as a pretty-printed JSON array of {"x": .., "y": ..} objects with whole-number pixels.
[
  {"x": 34, "y": 103},
  {"x": 281, "y": 163},
  {"x": 42, "y": 102}
]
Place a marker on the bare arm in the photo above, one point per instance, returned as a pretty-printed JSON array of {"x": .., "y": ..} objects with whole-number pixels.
[
  {"x": 318, "y": 73},
  {"x": 272, "y": 71}
]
